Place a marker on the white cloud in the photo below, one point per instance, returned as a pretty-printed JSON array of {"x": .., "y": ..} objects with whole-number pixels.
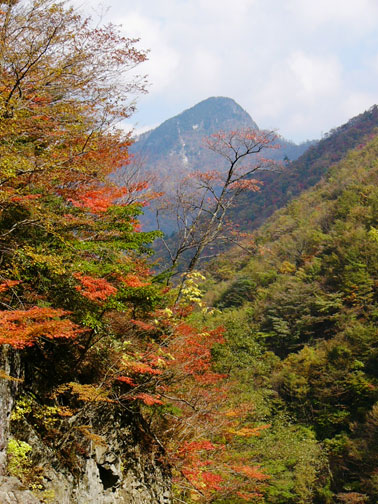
[
  {"x": 163, "y": 58},
  {"x": 357, "y": 102},
  {"x": 373, "y": 63},
  {"x": 301, "y": 79},
  {"x": 298, "y": 65},
  {"x": 357, "y": 14},
  {"x": 128, "y": 127},
  {"x": 316, "y": 76}
]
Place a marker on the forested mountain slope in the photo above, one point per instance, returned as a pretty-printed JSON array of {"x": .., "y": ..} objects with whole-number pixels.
[
  {"x": 302, "y": 313},
  {"x": 279, "y": 188}
]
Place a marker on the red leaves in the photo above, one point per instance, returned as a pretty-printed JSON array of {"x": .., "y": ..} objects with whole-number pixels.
[
  {"x": 211, "y": 480},
  {"x": 134, "y": 281},
  {"x": 192, "y": 352},
  {"x": 127, "y": 380},
  {"x": 196, "y": 446},
  {"x": 95, "y": 289},
  {"x": 148, "y": 399},
  {"x": 24, "y": 198},
  {"x": 252, "y": 472},
  {"x": 97, "y": 200},
  {"x": 197, "y": 467},
  {"x": 246, "y": 185},
  {"x": 143, "y": 325},
  {"x": 207, "y": 176},
  {"x": 8, "y": 284},
  {"x": 248, "y": 139},
  {"x": 22, "y": 328}
]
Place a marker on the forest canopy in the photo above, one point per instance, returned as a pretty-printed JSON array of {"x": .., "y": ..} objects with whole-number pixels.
[{"x": 258, "y": 383}]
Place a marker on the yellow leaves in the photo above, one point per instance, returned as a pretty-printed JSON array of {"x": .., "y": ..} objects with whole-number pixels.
[
  {"x": 232, "y": 413},
  {"x": 249, "y": 431},
  {"x": 53, "y": 262},
  {"x": 84, "y": 392},
  {"x": 287, "y": 267},
  {"x": 373, "y": 234},
  {"x": 190, "y": 292},
  {"x": 12, "y": 164},
  {"x": 168, "y": 312}
]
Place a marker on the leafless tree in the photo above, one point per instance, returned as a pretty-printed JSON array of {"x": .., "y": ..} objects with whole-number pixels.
[{"x": 204, "y": 198}]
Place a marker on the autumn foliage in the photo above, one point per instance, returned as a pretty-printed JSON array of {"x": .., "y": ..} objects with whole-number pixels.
[
  {"x": 23, "y": 328},
  {"x": 78, "y": 299}
]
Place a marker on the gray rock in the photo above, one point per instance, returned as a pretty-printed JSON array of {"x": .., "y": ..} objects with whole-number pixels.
[
  {"x": 13, "y": 492},
  {"x": 124, "y": 469}
]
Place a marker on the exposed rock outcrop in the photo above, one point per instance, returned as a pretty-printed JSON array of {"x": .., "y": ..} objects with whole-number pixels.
[{"x": 119, "y": 464}]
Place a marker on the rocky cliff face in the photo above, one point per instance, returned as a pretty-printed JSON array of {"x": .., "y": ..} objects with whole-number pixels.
[
  {"x": 10, "y": 366},
  {"x": 117, "y": 465}
]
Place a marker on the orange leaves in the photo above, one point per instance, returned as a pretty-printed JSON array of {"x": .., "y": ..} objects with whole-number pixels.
[
  {"x": 247, "y": 139},
  {"x": 23, "y": 328},
  {"x": 127, "y": 380},
  {"x": 24, "y": 198},
  {"x": 195, "y": 464},
  {"x": 252, "y": 472},
  {"x": 142, "y": 368},
  {"x": 205, "y": 447},
  {"x": 249, "y": 431},
  {"x": 95, "y": 289},
  {"x": 192, "y": 351},
  {"x": 8, "y": 284},
  {"x": 196, "y": 446},
  {"x": 84, "y": 392},
  {"x": 134, "y": 281},
  {"x": 211, "y": 480},
  {"x": 148, "y": 399},
  {"x": 207, "y": 176},
  {"x": 248, "y": 496},
  {"x": 97, "y": 200},
  {"x": 252, "y": 185}
]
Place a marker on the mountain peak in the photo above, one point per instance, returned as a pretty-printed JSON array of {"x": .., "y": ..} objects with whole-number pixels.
[
  {"x": 192, "y": 125},
  {"x": 216, "y": 112}
]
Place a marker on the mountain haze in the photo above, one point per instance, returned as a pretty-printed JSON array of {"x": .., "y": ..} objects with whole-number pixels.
[{"x": 175, "y": 147}]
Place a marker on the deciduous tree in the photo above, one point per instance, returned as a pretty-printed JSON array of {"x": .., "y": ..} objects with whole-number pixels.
[{"x": 204, "y": 199}]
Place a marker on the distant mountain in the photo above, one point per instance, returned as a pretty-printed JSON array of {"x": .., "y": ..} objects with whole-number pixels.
[
  {"x": 175, "y": 148},
  {"x": 177, "y": 142},
  {"x": 182, "y": 134},
  {"x": 253, "y": 209}
]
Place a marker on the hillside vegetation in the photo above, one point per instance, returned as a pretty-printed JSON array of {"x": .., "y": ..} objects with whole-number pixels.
[
  {"x": 302, "y": 173},
  {"x": 302, "y": 317},
  {"x": 118, "y": 387}
]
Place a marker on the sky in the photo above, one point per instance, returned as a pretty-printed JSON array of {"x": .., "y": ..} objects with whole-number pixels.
[{"x": 301, "y": 67}]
